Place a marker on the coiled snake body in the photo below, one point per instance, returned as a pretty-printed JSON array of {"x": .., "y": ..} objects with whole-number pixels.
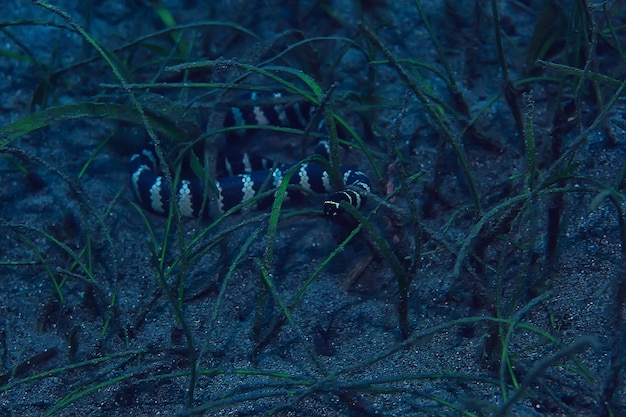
[{"x": 247, "y": 175}]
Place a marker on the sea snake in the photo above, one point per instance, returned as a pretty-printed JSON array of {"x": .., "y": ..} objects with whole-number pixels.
[{"x": 247, "y": 175}]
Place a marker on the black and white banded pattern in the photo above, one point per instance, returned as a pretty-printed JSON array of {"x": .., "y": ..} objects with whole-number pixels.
[
  {"x": 246, "y": 175},
  {"x": 282, "y": 114}
]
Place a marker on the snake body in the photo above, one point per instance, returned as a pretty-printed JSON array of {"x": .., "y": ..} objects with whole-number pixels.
[{"x": 247, "y": 175}]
